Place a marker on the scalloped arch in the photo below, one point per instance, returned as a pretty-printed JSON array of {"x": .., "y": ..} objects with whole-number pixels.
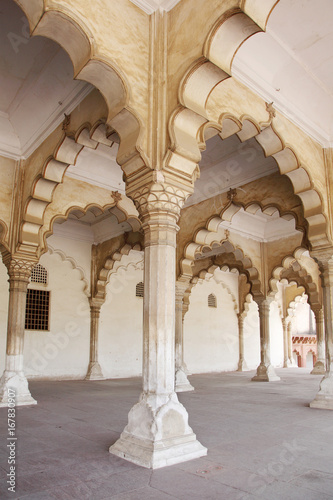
[
  {"x": 110, "y": 267},
  {"x": 292, "y": 270},
  {"x": 72, "y": 261},
  {"x": 53, "y": 172},
  {"x": 209, "y": 96},
  {"x": 215, "y": 239},
  {"x": 208, "y": 275}
]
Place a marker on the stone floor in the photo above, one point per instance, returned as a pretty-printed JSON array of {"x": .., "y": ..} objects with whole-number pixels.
[{"x": 264, "y": 442}]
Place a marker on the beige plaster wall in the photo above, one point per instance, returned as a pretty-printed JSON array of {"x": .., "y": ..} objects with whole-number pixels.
[
  {"x": 120, "y": 333},
  {"x": 63, "y": 352},
  {"x": 211, "y": 342}
]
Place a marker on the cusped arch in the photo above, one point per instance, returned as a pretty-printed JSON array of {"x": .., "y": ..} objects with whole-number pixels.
[
  {"x": 111, "y": 265},
  {"x": 291, "y": 270},
  {"x": 206, "y": 275},
  {"x": 213, "y": 240},
  {"x": 52, "y": 174},
  {"x": 72, "y": 261},
  {"x": 209, "y": 98}
]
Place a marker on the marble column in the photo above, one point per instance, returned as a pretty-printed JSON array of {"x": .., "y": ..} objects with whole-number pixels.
[
  {"x": 291, "y": 361},
  {"x": 265, "y": 371},
  {"x": 285, "y": 342},
  {"x": 19, "y": 272},
  {"x": 319, "y": 367},
  {"x": 158, "y": 433},
  {"x": 242, "y": 366},
  {"x": 182, "y": 383},
  {"x": 324, "y": 398},
  {"x": 94, "y": 369}
]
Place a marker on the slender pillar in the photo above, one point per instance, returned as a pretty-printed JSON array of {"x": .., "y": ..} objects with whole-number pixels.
[
  {"x": 265, "y": 371},
  {"x": 324, "y": 398},
  {"x": 285, "y": 342},
  {"x": 94, "y": 368},
  {"x": 319, "y": 367},
  {"x": 291, "y": 362},
  {"x": 19, "y": 272},
  {"x": 242, "y": 366},
  {"x": 181, "y": 381},
  {"x": 158, "y": 433}
]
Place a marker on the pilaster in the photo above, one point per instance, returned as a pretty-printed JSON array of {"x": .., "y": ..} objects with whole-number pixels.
[
  {"x": 94, "y": 369},
  {"x": 182, "y": 383},
  {"x": 19, "y": 271}
]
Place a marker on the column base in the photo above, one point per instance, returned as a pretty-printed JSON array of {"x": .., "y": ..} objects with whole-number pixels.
[
  {"x": 94, "y": 372},
  {"x": 242, "y": 366},
  {"x": 17, "y": 382},
  {"x": 324, "y": 398},
  {"x": 318, "y": 369},
  {"x": 182, "y": 384},
  {"x": 158, "y": 434},
  {"x": 265, "y": 374}
]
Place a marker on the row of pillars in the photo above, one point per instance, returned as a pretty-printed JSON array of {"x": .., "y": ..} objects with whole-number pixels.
[{"x": 158, "y": 432}]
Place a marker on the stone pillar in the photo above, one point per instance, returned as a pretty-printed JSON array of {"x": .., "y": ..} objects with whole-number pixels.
[
  {"x": 285, "y": 343},
  {"x": 94, "y": 369},
  {"x": 265, "y": 371},
  {"x": 181, "y": 381},
  {"x": 291, "y": 361},
  {"x": 319, "y": 367},
  {"x": 324, "y": 398},
  {"x": 158, "y": 433},
  {"x": 242, "y": 366},
  {"x": 19, "y": 272}
]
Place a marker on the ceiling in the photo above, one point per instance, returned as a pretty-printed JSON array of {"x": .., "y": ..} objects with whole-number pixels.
[
  {"x": 36, "y": 82},
  {"x": 292, "y": 65}
]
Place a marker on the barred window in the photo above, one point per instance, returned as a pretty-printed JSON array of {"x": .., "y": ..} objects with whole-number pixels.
[
  {"x": 212, "y": 300},
  {"x": 39, "y": 274},
  {"x": 139, "y": 289},
  {"x": 37, "y": 310}
]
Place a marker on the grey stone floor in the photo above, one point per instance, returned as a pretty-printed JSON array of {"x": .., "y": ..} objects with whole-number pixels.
[{"x": 264, "y": 442}]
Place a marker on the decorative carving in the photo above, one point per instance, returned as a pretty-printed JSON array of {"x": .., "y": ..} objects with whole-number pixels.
[
  {"x": 270, "y": 110},
  {"x": 160, "y": 198},
  {"x": 116, "y": 196},
  {"x": 66, "y": 122},
  {"x": 18, "y": 268},
  {"x": 232, "y": 194}
]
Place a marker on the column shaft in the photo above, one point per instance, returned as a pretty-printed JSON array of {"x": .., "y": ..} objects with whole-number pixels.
[
  {"x": 182, "y": 383},
  {"x": 265, "y": 371},
  {"x": 94, "y": 370},
  {"x": 319, "y": 367},
  {"x": 242, "y": 366}
]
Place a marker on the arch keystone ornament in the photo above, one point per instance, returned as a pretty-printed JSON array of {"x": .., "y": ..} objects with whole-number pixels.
[
  {"x": 324, "y": 398},
  {"x": 19, "y": 271},
  {"x": 158, "y": 433}
]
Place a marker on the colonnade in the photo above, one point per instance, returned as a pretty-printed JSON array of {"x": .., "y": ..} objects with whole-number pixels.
[{"x": 157, "y": 433}]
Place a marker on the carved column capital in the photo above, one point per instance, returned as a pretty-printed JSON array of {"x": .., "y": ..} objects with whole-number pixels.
[
  {"x": 19, "y": 268},
  {"x": 159, "y": 201}
]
